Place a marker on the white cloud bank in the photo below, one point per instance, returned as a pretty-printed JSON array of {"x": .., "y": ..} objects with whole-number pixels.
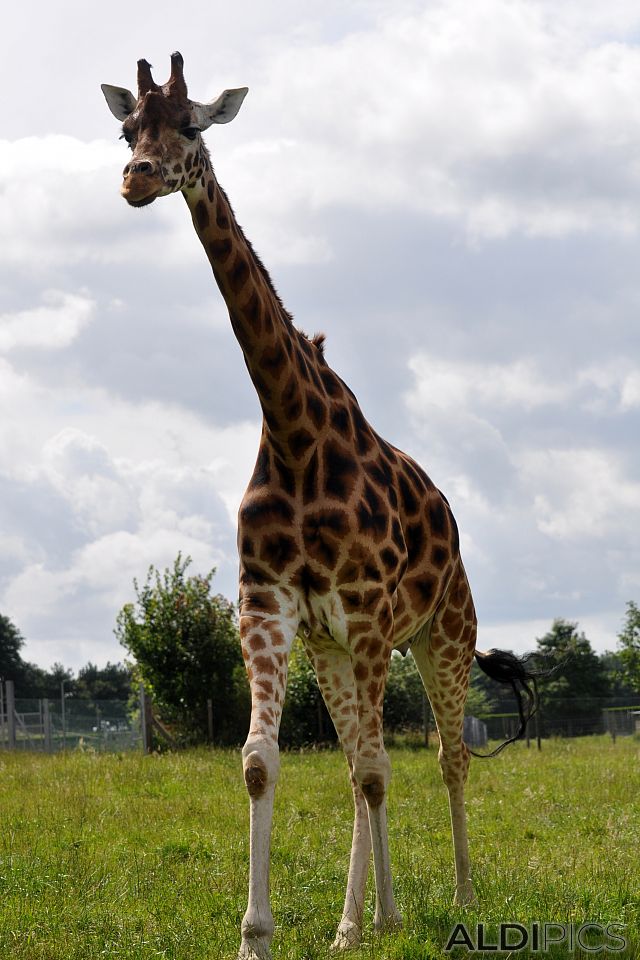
[
  {"x": 545, "y": 519},
  {"x": 496, "y": 115}
]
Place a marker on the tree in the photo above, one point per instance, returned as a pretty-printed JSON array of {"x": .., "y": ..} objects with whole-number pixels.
[
  {"x": 305, "y": 718},
  {"x": 403, "y": 695},
  {"x": 478, "y": 703},
  {"x": 29, "y": 680},
  {"x": 575, "y": 690},
  {"x": 619, "y": 685},
  {"x": 45, "y": 684},
  {"x": 11, "y": 642},
  {"x": 186, "y": 646},
  {"x": 629, "y": 646},
  {"x": 112, "y": 682}
]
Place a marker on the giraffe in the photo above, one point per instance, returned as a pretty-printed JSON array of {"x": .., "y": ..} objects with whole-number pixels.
[{"x": 343, "y": 540}]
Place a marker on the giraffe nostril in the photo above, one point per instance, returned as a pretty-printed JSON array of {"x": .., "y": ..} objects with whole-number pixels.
[{"x": 139, "y": 166}]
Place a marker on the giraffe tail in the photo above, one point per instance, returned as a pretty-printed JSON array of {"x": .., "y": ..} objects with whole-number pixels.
[{"x": 505, "y": 667}]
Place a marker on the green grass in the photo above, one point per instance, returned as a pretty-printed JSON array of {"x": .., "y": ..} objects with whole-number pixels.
[{"x": 127, "y": 856}]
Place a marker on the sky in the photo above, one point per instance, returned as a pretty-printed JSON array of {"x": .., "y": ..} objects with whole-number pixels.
[{"x": 450, "y": 190}]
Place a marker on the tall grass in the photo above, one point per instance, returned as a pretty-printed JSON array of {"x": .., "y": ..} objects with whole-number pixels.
[{"x": 127, "y": 856}]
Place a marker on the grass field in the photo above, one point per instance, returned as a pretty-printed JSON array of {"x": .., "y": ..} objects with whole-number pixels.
[{"x": 127, "y": 856}]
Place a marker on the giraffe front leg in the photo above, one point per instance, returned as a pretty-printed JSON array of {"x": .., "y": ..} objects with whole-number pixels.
[
  {"x": 265, "y": 646},
  {"x": 387, "y": 916},
  {"x": 349, "y": 932},
  {"x": 334, "y": 672}
]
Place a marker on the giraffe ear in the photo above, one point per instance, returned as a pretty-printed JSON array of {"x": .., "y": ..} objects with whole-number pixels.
[
  {"x": 120, "y": 101},
  {"x": 221, "y": 110}
]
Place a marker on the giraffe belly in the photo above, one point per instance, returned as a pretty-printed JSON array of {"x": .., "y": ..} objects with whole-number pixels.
[{"x": 323, "y": 619}]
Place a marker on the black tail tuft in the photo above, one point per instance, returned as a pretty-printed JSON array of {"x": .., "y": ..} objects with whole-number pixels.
[{"x": 505, "y": 667}]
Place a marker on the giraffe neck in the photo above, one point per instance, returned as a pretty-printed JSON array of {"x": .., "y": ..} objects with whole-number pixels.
[{"x": 278, "y": 357}]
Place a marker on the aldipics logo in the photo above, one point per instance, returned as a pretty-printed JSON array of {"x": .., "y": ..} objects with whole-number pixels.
[{"x": 539, "y": 937}]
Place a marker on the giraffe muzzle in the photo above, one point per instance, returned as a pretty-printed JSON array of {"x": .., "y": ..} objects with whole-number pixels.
[{"x": 142, "y": 182}]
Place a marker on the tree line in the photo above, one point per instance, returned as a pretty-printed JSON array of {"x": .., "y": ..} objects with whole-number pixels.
[
  {"x": 183, "y": 645},
  {"x": 111, "y": 682}
]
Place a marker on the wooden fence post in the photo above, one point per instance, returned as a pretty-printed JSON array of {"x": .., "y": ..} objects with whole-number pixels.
[
  {"x": 612, "y": 719},
  {"x": 63, "y": 712},
  {"x": 46, "y": 723},
  {"x": 536, "y": 718},
  {"x": 11, "y": 714}
]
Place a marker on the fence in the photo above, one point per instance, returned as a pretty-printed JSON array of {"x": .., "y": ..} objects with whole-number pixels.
[
  {"x": 67, "y": 723},
  {"x": 617, "y": 721},
  {"x": 475, "y": 732}
]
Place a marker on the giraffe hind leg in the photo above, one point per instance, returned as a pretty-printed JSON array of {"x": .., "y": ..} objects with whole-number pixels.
[
  {"x": 443, "y": 656},
  {"x": 371, "y": 767}
]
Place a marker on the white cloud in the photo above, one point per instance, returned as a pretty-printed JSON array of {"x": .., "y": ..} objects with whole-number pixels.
[
  {"x": 529, "y": 129},
  {"x": 465, "y": 387},
  {"x": 61, "y": 206},
  {"x": 52, "y": 326},
  {"x": 580, "y": 493},
  {"x": 478, "y": 402},
  {"x": 547, "y": 522},
  {"x": 521, "y": 635},
  {"x": 141, "y": 481},
  {"x": 80, "y": 469},
  {"x": 516, "y": 635},
  {"x": 92, "y": 589},
  {"x": 616, "y": 383},
  {"x": 458, "y": 384},
  {"x": 55, "y": 195},
  {"x": 630, "y": 392}
]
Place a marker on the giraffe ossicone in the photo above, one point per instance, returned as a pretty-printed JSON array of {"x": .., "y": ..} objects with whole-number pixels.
[{"x": 343, "y": 539}]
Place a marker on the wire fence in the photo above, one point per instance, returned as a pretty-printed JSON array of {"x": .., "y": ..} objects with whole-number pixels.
[
  {"x": 69, "y": 723},
  {"x": 575, "y": 719},
  {"x": 113, "y": 725}
]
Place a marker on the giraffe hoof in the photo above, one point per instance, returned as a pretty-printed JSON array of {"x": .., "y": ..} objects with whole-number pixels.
[
  {"x": 347, "y": 937},
  {"x": 254, "y": 949},
  {"x": 388, "y": 924},
  {"x": 464, "y": 895}
]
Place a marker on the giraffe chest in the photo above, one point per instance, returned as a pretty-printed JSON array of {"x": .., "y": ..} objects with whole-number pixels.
[{"x": 333, "y": 579}]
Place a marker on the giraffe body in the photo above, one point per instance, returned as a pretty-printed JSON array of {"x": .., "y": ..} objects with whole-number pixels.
[{"x": 343, "y": 539}]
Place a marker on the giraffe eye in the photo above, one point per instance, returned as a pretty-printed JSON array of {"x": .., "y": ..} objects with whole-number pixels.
[
  {"x": 190, "y": 132},
  {"x": 128, "y": 137}
]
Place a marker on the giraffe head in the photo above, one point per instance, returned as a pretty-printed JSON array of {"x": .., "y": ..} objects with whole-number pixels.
[{"x": 163, "y": 129}]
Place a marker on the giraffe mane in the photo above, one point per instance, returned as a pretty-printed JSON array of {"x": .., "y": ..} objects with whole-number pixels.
[
  {"x": 318, "y": 339},
  {"x": 260, "y": 265}
]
